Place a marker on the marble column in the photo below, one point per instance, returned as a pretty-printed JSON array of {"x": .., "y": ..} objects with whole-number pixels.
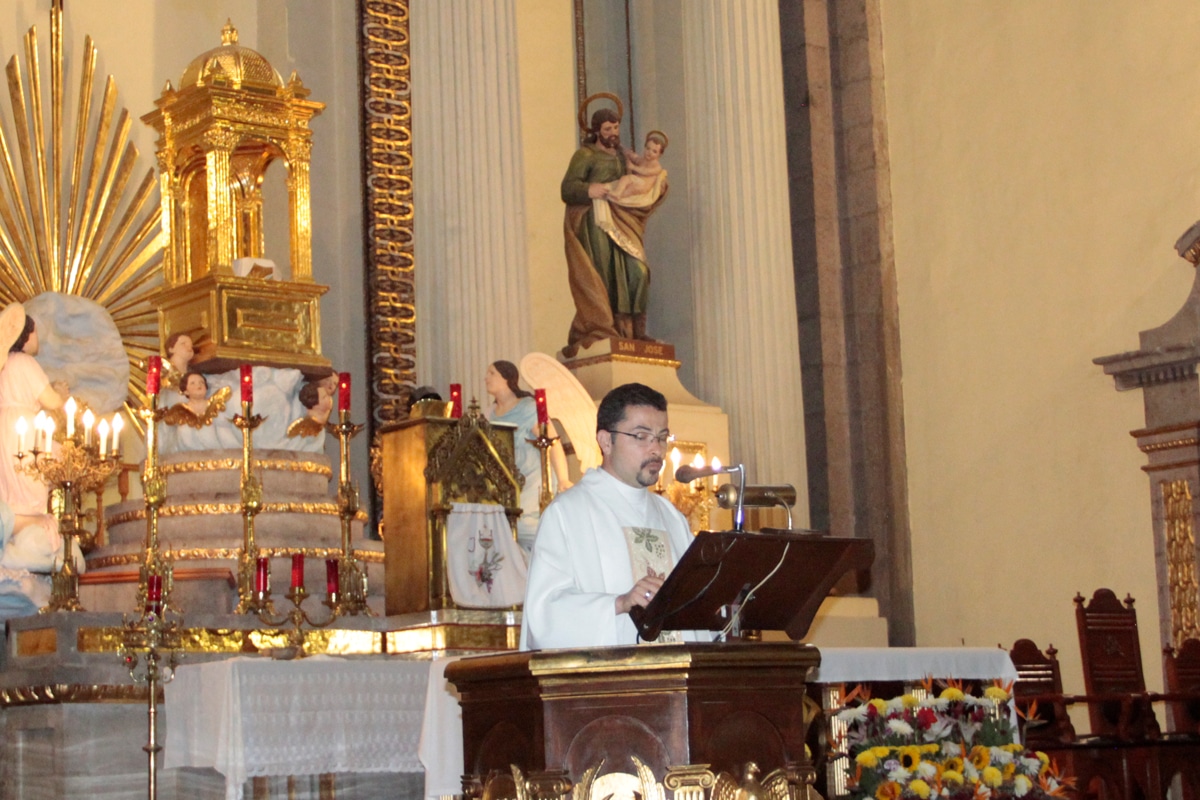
[
  {"x": 471, "y": 273},
  {"x": 747, "y": 345}
]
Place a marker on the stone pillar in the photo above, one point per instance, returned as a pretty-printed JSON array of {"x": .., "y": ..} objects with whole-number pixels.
[
  {"x": 470, "y": 225},
  {"x": 1164, "y": 369},
  {"x": 747, "y": 346}
]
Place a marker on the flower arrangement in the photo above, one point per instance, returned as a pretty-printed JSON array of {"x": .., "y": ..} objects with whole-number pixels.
[{"x": 951, "y": 746}]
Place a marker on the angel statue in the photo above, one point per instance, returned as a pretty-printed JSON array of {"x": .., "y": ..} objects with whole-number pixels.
[
  {"x": 309, "y": 430},
  {"x": 181, "y": 349},
  {"x": 194, "y": 420},
  {"x": 606, "y": 213}
]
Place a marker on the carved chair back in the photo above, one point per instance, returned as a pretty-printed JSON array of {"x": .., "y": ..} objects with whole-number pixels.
[
  {"x": 1038, "y": 694},
  {"x": 1118, "y": 705}
]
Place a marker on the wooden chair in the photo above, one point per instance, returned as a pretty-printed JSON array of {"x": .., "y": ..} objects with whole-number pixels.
[
  {"x": 1039, "y": 682},
  {"x": 1181, "y": 672},
  {"x": 1119, "y": 708}
]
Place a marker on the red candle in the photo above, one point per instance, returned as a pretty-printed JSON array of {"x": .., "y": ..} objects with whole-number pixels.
[
  {"x": 332, "y": 579},
  {"x": 456, "y": 400},
  {"x": 154, "y": 587},
  {"x": 247, "y": 383},
  {"x": 261, "y": 575},
  {"x": 153, "y": 374},
  {"x": 539, "y": 397},
  {"x": 298, "y": 570},
  {"x": 343, "y": 391}
]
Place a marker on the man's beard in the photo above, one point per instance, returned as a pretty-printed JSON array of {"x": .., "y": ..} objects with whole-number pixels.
[
  {"x": 648, "y": 476},
  {"x": 611, "y": 142}
]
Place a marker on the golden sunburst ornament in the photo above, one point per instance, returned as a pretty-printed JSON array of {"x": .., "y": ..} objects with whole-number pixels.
[{"x": 78, "y": 225}]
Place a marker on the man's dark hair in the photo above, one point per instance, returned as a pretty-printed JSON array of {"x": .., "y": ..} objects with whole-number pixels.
[
  {"x": 23, "y": 339},
  {"x": 310, "y": 395},
  {"x": 599, "y": 117},
  {"x": 612, "y": 407}
]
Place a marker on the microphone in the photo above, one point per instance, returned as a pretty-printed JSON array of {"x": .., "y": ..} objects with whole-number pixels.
[{"x": 687, "y": 473}]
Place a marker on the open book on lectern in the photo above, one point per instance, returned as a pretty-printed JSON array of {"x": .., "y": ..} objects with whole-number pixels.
[{"x": 788, "y": 572}]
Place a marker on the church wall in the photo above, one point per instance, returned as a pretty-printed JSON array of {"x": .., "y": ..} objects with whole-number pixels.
[{"x": 1044, "y": 160}]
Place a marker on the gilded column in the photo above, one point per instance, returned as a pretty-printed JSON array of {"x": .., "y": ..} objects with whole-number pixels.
[
  {"x": 298, "y": 156},
  {"x": 220, "y": 202},
  {"x": 747, "y": 345},
  {"x": 470, "y": 229}
]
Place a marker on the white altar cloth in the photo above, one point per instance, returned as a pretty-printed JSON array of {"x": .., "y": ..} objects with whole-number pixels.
[
  {"x": 255, "y": 717},
  {"x": 859, "y": 664}
]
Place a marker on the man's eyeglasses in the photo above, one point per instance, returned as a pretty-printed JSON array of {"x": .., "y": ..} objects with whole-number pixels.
[{"x": 644, "y": 438}]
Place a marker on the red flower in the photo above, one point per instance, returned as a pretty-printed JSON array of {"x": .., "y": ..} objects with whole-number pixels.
[{"x": 926, "y": 717}]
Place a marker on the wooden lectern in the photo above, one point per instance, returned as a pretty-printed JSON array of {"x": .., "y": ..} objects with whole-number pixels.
[{"x": 700, "y": 719}]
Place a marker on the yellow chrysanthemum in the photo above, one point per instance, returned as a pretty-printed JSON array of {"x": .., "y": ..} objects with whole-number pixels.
[
  {"x": 878, "y": 705},
  {"x": 952, "y": 777},
  {"x": 1022, "y": 785},
  {"x": 951, "y": 694},
  {"x": 910, "y": 756},
  {"x": 867, "y": 758},
  {"x": 1014, "y": 747},
  {"x": 991, "y": 777},
  {"x": 1045, "y": 759},
  {"x": 881, "y": 751},
  {"x": 1009, "y": 770},
  {"x": 920, "y": 788},
  {"x": 996, "y": 693},
  {"x": 930, "y": 748},
  {"x": 888, "y": 790},
  {"x": 980, "y": 756},
  {"x": 909, "y": 701}
]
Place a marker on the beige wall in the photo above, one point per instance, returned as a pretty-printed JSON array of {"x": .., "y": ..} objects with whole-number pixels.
[{"x": 1044, "y": 160}]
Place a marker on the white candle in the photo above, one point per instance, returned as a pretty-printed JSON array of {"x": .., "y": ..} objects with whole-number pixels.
[
  {"x": 675, "y": 457},
  {"x": 698, "y": 463},
  {"x": 50, "y": 426},
  {"x": 69, "y": 408},
  {"x": 89, "y": 420},
  {"x": 22, "y": 435},
  {"x": 102, "y": 431},
  {"x": 716, "y": 464},
  {"x": 39, "y": 429},
  {"x": 117, "y": 425}
]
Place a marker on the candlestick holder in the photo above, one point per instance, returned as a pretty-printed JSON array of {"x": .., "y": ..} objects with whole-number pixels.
[
  {"x": 297, "y": 617},
  {"x": 151, "y": 646},
  {"x": 695, "y": 503},
  {"x": 252, "y": 597},
  {"x": 154, "y": 494},
  {"x": 351, "y": 600},
  {"x": 75, "y": 470},
  {"x": 543, "y": 442}
]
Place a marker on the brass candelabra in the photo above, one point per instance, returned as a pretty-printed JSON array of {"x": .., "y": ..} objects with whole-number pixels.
[
  {"x": 296, "y": 616},
  {"x": 543, "y": 442},
  {"x": 151, "y": 646},
  {"x": 77, "y": 468},
  {"x": 254, "y": 597},
  {"x": 351, "y": 600},
  {"x": 155, "y": 568}
]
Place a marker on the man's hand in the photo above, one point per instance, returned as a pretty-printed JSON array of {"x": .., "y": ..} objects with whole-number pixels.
[
  {"x": 640, "y": 595},
  {"x": 597, "y": 190}
]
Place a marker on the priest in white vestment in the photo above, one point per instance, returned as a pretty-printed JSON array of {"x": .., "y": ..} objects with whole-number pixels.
[{"x": 605, "y": 545}]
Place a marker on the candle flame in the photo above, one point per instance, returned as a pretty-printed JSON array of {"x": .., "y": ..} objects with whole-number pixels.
[
  {"x": 89, "y": 419},
  {"x": 70, "y": 406},
  {"x": 22, "y": 426},
  {"x": 698, "y": 461}
]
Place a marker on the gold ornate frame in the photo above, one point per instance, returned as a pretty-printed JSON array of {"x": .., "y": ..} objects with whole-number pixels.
[{"x": 387, "y": 208}]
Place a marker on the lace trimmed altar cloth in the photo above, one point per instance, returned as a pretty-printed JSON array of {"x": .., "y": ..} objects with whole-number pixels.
[{"x": 256, "y": 717}]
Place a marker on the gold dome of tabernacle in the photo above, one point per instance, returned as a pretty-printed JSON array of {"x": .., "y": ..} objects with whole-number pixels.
[{"x": 232, "y": 65}]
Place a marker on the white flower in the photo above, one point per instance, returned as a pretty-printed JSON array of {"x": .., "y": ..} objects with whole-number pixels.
[
  {"x": 970, "y": 773},
  {"x": 940, "y": 731},
  {"x": 900, "y": 726},
  {"x": 853, "y": 715},
  {"x": 955, "y": 749},
  {"x": 1000, "y": 755},
  {"x": 1029, "y": 766},
  {"x": 1021, "y": 785},
  {"x": 899, "y": 774},
  {"x": 927, "y": 770}
]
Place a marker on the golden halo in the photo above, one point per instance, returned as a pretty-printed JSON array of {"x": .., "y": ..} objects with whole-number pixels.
[
  {"x": 658, "y": 135},
  {"x": 583, "y": 107}
]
